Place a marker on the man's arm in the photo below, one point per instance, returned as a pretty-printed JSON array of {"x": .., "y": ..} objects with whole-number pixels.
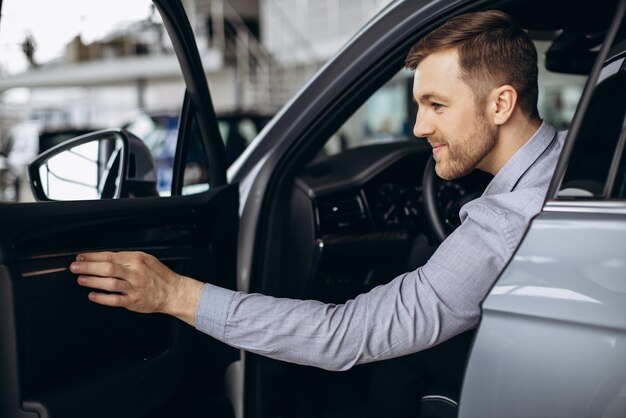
[{"x": 414, "y": 311}]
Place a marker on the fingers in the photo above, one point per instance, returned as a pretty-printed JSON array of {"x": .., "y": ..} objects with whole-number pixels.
[
  {"x": 101, "y": 271},
  {"x": 97, "y": 268},
  {"x": 109, "y": 284},
  {"x": 108, "y": 299},
  {"x": 111, "y": 257},
  {"x": 99, "y": 256}
]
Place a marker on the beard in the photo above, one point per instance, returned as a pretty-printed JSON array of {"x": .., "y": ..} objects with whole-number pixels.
[{"x": 460, "y": 158}]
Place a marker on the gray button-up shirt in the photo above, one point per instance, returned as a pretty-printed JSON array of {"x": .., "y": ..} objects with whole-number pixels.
[{"x": 414, "y": 311}]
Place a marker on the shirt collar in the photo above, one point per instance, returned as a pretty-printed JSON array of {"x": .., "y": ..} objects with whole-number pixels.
[{"x": 520, "y": 162}]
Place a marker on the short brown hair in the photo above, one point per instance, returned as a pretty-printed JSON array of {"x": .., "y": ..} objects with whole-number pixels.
[{"x": 492, "y": 50}]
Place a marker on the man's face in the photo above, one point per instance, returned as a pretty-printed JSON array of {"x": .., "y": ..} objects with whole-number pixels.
[{"x": 449, "y": 118}]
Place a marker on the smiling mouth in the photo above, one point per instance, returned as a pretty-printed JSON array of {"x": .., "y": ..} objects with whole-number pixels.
[{"x": 437, "y": 148}]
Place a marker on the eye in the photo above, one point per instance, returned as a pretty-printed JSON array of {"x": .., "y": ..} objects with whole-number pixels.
[{"x": 436, "y": 106}]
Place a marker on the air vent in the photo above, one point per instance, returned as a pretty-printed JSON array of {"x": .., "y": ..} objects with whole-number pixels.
[{"x": 341, "y": 214}]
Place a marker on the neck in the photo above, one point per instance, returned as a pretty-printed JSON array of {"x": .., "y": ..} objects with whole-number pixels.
[{"x": 511, "y": 137}]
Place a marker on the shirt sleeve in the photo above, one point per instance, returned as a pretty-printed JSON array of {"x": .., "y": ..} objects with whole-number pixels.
[{"x": 415, "y": 311}]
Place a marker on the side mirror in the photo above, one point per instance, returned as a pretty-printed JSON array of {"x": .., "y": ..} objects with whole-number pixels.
[{"x": 107, "y": 164}]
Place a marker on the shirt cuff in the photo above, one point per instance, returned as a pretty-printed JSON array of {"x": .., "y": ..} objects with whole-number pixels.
[{"x": 213, "y": 309}]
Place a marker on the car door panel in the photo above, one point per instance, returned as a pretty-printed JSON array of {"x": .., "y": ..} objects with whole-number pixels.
[
  {"x": 559, "y": 303},
  {"x": 65, "y": 356}
]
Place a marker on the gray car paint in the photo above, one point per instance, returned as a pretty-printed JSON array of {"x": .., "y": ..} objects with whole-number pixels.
[{"x": 552, "y": 340}]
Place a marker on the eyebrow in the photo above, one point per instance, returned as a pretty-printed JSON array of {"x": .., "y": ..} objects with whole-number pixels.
[{"x": 429, "y": 97}]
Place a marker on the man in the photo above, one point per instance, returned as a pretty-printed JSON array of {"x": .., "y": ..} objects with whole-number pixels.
[{"x": 476, "y": 89}]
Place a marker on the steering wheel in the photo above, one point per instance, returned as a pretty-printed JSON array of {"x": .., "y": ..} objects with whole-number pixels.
[{"x": 443, "y": 199}]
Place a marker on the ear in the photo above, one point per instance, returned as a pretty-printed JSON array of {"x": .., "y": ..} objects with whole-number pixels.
[{"x": 502, "y": 103}]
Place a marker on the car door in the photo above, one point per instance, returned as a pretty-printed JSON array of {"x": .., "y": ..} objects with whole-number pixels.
[{"x": 62, "y": 356}]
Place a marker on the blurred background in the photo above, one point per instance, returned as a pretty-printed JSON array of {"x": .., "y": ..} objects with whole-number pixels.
[{"x": 69, "y": 67}]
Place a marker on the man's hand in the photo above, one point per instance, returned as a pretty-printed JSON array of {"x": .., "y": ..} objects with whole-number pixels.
[{"x": 139, "y": 283}]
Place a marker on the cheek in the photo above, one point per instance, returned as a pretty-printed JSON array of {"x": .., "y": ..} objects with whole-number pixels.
[
  {"x": 453, "y": 130},
  {"x": 466, "y": 118},
  {"x": 462, "y": 124}
]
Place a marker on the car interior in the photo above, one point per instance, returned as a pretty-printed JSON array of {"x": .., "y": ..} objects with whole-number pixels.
[{"x": 367, "y": 206}]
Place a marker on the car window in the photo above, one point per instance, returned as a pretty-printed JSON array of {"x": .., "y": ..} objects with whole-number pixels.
[
  {"x": 617, "y": 174},
  {"x": 196, "y": 167},
  {"x": 237, "y": 130},
  {"x": 619, "y": 187},
  {"x": 384, "y": 117},
  {"x": 389, "y": 114},
  {"x": 594, "y": 168},
  {"x": 69, "y": 68}
]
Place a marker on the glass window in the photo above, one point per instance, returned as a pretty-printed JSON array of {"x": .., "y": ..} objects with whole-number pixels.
[
  {"x": 237, "y": 129},
  {"x": 619, "y": 186},
  {"x": 196, "y": 171},
  {"x": 589, "y": 173},
  {"x": 385, "y": 117}
]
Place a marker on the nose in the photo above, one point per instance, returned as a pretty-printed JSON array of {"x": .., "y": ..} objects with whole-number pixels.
[{"x": 423, "y": 127}]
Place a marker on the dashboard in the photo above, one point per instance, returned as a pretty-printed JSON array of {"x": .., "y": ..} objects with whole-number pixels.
[
  {"x": 366, "y": 221},
  {"x": 368, "y": 190}
]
